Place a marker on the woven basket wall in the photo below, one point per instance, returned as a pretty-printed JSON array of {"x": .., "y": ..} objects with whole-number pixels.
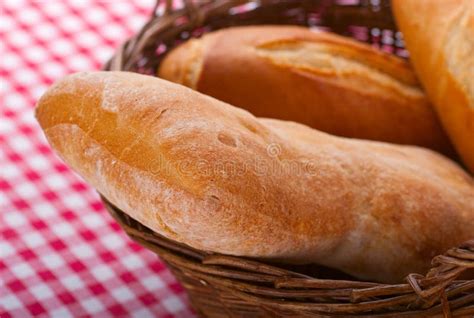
[{"x": 225, "y": 286}]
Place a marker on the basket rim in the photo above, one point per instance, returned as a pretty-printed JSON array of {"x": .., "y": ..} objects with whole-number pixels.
[{"x": 197, "y": 12}]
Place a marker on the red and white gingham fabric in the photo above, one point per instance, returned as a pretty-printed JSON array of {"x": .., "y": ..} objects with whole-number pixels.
[{"x": 61, "y": 254}]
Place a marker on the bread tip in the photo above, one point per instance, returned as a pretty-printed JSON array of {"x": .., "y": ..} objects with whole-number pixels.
[{"x": 64, "y": 85}]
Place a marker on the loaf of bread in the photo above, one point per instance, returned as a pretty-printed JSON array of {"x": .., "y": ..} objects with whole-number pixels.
[
  {"x": 323, "y": 80},
  {"x": 440, "y": 38},
  {"x": 215, "y": 177}
]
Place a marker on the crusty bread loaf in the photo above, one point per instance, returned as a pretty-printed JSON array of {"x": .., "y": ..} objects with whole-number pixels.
[
  {"x": 440, "y": 38},
  {"x": 213, "y": 176},
  {"x": 320, "y": 79}
]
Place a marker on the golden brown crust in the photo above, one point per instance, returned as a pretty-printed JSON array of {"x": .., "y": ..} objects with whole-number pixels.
[
  {"x": 440, "y": 38},
  {"x": 326, "y": 81},
  {"x": 213, "y": 176}
]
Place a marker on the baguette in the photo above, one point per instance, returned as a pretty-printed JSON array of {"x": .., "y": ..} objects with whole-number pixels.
[
  {"x": 215, "y": 177},
  {"x": 320, "y": 79},
  {"x": 440, "y": 38}
]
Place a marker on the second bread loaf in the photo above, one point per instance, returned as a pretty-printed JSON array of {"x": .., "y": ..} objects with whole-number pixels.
[{"x": 326, "y": 81}]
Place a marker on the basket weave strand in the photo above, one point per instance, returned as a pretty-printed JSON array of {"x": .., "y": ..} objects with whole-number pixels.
[{"x": 227, "y": 286}]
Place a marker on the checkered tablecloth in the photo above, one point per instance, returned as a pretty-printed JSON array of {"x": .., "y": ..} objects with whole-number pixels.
[{"x": 61, "y": 254}]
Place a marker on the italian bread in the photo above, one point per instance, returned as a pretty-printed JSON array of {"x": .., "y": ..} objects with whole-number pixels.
[
  {"x": 215, "y": 177},
  {"x": 440, "y": 38},
  {"x": 323, "y": 80}
]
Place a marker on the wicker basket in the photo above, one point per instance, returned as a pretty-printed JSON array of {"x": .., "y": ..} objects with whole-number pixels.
[{"x": 226, "y": 286}]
